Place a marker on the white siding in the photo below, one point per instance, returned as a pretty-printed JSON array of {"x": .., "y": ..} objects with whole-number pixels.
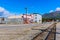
[
  {"x": 37, "y": 18},
  {"x": 14, "y": 21}
]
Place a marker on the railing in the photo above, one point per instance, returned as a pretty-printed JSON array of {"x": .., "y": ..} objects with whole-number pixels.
[{"x": 50, "y": 33}]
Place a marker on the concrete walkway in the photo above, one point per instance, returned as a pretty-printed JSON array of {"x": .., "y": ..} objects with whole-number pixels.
[{"x": 58, "y": 31}]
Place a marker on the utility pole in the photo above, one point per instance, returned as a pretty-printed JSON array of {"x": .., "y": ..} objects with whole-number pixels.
[
  {"x": 26, "y": 10},
  {"x": 26, "y": 14}
]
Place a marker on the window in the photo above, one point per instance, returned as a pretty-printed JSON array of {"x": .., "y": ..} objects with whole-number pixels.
[
  {"x": 39, "y": 20},
  {"x": 35, "y": 17},
  {"x": 35, "y": 21},
  {"x": 35, "y": 14}
]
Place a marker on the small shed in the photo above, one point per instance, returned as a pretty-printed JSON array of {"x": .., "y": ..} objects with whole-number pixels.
[{"x": 2, "y": 20}]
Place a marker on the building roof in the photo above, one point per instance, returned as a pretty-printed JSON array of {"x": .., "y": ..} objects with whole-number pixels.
[
  {"x": 19, "y": 16},
  {"x": 37, "y": 13},
  {"x": 28, "y": 16}
]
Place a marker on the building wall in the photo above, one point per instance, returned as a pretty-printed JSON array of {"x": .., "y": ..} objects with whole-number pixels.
[
  {"x": 21, "y": 19},
  {"x": 37, "y": 18},
  {"x": 33, "y": 18},
  {"x": 27, "y": 19},
  {"x": 14, "y": 21}
]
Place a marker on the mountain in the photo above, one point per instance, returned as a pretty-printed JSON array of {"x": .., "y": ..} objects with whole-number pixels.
[{"x": 55, "y": 14}]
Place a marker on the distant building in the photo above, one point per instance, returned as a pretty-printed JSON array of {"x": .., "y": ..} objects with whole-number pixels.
[
  {"x": 14, "y": 20},
  {"x": 27, "y": 18},
  {"x": 2, "y": 20},
  {"x": 37, "y": 18},
  {"x": 32, "y": 18}
]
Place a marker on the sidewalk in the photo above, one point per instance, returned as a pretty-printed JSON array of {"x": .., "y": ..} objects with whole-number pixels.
[{"x": 58, "y": 31}]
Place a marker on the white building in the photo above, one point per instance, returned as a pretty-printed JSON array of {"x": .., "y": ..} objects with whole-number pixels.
[
  {"x": 33, "y": 18},
  {"x": 37, "y": 18},
  {"x": 15, "y": 19},
  {"x": 20, "y": 19}
]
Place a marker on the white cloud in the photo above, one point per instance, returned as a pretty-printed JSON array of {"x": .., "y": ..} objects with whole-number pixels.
[
  {"x": 1, "y": 9},
  {"x": 57, "y": 9},
  {"x": 50, "y": 11},
  {"x": 5, "y": 12}
]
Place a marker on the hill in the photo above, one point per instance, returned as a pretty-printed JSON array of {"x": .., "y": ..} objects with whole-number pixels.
[{"x": 55, "y": 14}]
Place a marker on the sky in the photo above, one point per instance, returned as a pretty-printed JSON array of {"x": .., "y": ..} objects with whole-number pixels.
[{"x": 11, "y": 7}]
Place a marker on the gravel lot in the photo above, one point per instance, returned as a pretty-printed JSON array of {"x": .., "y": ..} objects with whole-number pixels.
[{"x": 20, "y": 31}]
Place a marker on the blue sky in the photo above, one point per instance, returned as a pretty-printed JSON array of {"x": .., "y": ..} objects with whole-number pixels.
[{"x": 38, "y": 6}]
